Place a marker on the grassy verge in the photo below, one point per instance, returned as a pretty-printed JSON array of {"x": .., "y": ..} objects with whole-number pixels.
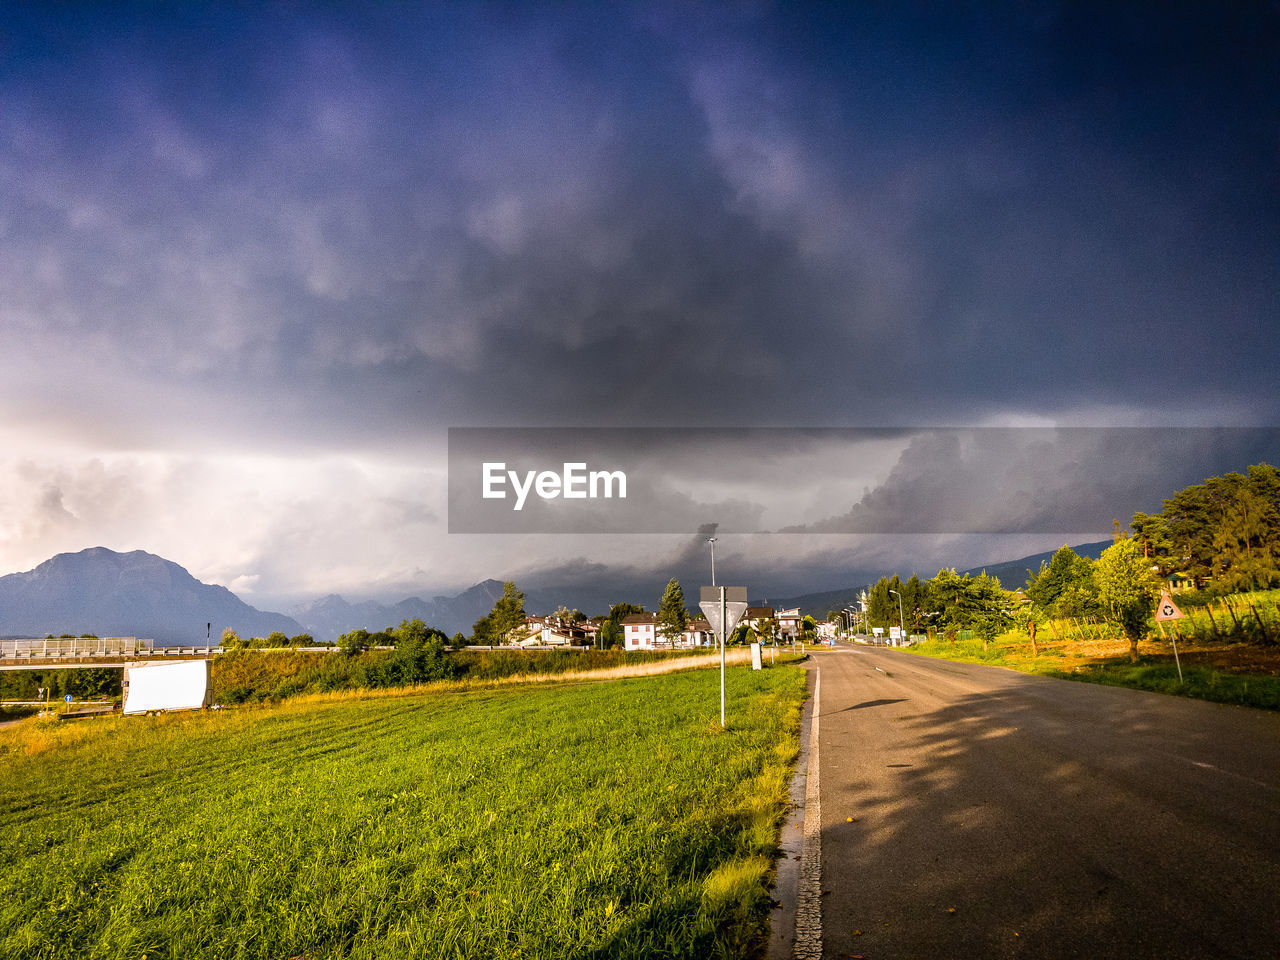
[
  {"x": 16, "y": 711},
  {"x": 252, "y": 675},
  {"x": 586, "y": 820},
  {"x": 1198, "y": 682},
  {"x": 1224, "y": 673}
]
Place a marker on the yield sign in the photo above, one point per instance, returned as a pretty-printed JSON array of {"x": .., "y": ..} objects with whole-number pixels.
[
  {"x": 1166, "y": 609},
  {"x": 735, "y": 605}
]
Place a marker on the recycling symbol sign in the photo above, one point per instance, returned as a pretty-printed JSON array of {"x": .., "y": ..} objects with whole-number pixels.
[{"x": 1166, "y": 609}]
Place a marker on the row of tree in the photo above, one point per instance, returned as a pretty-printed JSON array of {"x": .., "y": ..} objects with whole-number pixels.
[
  {"x": 1120, "y": 587},
  {"x": 1223, "y": 533},
  {"x": 231, "y": 640},
  {"x": 948, "y": 603}
]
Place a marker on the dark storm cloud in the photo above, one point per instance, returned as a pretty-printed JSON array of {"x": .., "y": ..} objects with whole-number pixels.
[
  {"x": 1011, "y": 480},
  {"x": 307, "y": 230},
  {"x": 687, "y": 216},
  {"x": 1032, "y": 480}
]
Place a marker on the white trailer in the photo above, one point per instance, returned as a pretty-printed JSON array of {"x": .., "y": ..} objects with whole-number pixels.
[{"x": 150, "y": 687}]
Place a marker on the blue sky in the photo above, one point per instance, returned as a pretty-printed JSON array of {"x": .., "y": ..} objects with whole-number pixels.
[{"x": 256, "y": 259}]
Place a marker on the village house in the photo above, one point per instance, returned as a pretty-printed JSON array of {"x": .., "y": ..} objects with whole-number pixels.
[
  {"x": 553, "y": 631},
  {"x": 640, "y": 632}
]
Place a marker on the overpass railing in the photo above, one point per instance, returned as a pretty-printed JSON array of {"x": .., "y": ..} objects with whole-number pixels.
[{"x": 75, "y": 647}]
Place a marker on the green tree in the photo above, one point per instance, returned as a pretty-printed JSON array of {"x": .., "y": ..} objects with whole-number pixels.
[
  {"x": 914, "y": 602},
  {"x": 416, "y": 632},
  {"x": 611, "y": 633},
  {"x": 459, "y": 641},
  {"x": 1127, "y": 590},
  {"x": 500, "y": 623},
  {"x": 967, "y": 602},
  {"x": 882, "y": 607},
  {"x": 231, "y": 640},
  {"x": 766, "y": 629},
  {"x": 988, "y": 607},
  {"x": 302, "y": 640},
  {"x": 354, "y": 642},
  {"x": 419, "y": 656},
  {"x": 808, "y": 629},
  {"x": 672, "y": 616},
  {"x": 1064, "y": 586},
  {"x": 945, "y": 598}
]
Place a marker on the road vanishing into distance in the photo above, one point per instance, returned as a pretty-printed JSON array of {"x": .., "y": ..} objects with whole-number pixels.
[{"x": 975, "y": 812}]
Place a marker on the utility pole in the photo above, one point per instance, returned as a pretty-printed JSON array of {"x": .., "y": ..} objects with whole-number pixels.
[{"x": 902, "y": 622}]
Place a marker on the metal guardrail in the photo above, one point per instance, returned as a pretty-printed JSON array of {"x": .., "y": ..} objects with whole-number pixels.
[{"x": 76, "y": 647}]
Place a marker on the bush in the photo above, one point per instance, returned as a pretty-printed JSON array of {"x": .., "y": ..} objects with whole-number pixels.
[{"x": 237, "y": 694}]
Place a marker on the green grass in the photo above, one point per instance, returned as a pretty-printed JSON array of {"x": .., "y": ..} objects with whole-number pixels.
[
  {"x": 1201, "y": 683},
  {"x": 1197, "y": 682},
  {"x": 588, "y": 820}
]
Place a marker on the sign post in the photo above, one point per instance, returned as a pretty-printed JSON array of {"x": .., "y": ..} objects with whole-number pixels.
[
  {"x": 723, "y": 607},
  {"x": 1166, "y": 609}
]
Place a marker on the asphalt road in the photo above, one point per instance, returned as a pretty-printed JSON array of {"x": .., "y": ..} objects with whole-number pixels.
[{"x": 996, "y": 814}]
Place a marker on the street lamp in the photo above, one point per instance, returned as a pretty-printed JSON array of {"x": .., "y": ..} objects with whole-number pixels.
[
  {"x": 712, "y": 541},
  {"x": 902, "y": 621}
]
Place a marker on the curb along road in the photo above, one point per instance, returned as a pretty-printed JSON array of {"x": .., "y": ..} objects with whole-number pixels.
[{"x": 796, "y": 920}]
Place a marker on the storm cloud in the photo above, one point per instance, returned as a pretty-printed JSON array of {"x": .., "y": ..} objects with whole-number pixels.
[{"x": 255, "y": 262}]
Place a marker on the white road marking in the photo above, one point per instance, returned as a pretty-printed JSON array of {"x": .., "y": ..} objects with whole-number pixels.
[{"x": 809, "y": 906}]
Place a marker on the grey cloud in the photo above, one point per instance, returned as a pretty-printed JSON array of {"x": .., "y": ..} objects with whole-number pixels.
[
  {"x": 313, "y": 229},
  {"x": 1027, "y": 480}
]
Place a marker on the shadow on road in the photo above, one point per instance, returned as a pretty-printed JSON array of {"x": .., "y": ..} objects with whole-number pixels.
[
  {"x": 872, "y": 703},
  {"x": 1002, "y": 825}
]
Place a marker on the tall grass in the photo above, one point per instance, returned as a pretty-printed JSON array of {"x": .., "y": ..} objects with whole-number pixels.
[
  {"x": 251, "y": 675},
  {"x": 1012, "y": 650},
  {"x": 588, "y": 820},
  {"x": 1198, "y": 682},
  {"x": 1207, "y": 618}
]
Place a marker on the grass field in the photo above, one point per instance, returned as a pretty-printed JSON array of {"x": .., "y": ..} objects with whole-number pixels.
[
  {"x": 609, "y": 819},
  {"x": 1244, "y": 674}
]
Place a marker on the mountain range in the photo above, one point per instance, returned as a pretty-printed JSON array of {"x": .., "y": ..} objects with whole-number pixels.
[
  {"x": 134, "y": 594},
  {"x": 140, "y": 594}
]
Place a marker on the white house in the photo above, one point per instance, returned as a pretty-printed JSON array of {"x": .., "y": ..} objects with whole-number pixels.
[{"x": 640, "y": 632}]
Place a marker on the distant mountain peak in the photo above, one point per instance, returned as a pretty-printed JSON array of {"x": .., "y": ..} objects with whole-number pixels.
[{"x": 100, "y": 590}]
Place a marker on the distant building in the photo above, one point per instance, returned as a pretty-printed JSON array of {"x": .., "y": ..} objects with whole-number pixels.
[{"x": 640, "y": 632}]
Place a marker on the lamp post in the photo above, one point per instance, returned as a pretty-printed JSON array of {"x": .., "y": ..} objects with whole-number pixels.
[
  {"x": 712, "y": 541},
  {"x": 902, "y": 621}
]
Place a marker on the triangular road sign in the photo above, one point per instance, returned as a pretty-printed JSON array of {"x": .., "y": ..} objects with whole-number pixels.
[
  {"x": 1166, "y": 609},
  {"x": 734, "y": 607}
]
